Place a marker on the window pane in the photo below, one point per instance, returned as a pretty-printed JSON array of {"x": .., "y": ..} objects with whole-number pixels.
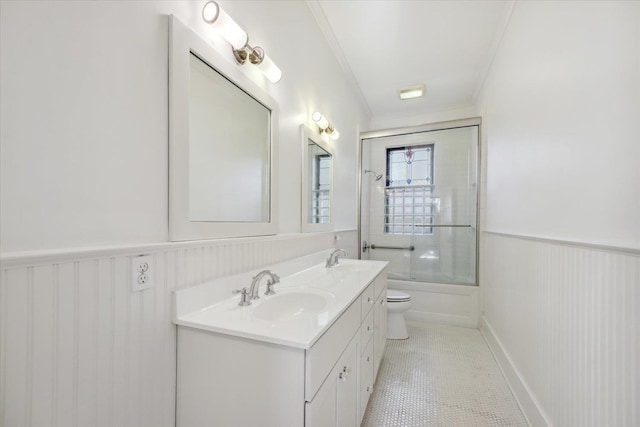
[{"x": 408, "y": 199}]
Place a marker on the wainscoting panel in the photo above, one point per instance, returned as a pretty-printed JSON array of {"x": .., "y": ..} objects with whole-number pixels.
[
  {"x": 564, "y": 320},
  {"x": 79, "y": 348}
]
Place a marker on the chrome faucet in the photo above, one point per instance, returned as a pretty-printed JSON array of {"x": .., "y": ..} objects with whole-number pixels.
[
  {"x": 274, "y": 278},
  {"x": 333, "y": 258}
]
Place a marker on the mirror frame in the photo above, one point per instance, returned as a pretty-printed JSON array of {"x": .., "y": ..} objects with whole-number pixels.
[
  {"x": 309, "y": 135},
  {"x": 183, "y": 42}
]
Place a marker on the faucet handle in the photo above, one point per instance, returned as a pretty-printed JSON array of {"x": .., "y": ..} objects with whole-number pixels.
[
  {"x": 244, "y": 296},
  {"x": 270, "y": 290}
]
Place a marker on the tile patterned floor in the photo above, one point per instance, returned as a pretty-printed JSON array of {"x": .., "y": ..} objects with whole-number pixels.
[{"x": 442, "y": 376}]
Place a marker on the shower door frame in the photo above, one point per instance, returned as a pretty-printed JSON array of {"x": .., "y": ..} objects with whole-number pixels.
[{"x": 451, "y": 124}]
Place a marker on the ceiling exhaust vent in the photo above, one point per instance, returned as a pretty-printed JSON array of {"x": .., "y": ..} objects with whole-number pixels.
[{"x": 415, "y": 91}]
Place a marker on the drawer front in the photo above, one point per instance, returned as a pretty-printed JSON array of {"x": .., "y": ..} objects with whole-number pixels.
[
  {"x": 380, "y": 324},
  {"x": 368, "y": 299},
  {"x": 321, "y": 358},
  {"x": 367, "y": 329},
  {"x": 366, "y": 377}
]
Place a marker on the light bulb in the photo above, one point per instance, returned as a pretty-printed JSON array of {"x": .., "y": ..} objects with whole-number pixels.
[
  {"x": 321, "y": 120},
  {"x": 270, "y": 69},
  {"x": 210, "y": 12},
  {"x": 213, "y": 14},
  {"x": 334, "y": 135}
]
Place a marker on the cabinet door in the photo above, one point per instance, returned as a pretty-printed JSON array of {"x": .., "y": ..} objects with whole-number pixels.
[
  {"x": 347, "y": 387},
  {"x": 336, "y": 403},
  {"x": 321, "y": 411},
  {"x": 366, "y": 378}
]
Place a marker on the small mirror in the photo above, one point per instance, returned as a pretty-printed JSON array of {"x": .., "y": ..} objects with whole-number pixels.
[
  {"x": 317, "y": 182},
  {"x": 223, "y": 133}
]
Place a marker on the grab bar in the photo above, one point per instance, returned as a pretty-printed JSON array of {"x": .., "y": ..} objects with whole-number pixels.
[
  {"x": 407, "y": 248},
  {"x": 442, "y": 225}
]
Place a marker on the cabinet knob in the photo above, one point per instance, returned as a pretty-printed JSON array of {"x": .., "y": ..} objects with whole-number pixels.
[
  {"x": 369, "y": 328},
  {"x": 344, "y": 373},
  {"x": 368, "y": 358},
  {"x": 369, "y": 389},
  {"x": 370, "y": 300}
]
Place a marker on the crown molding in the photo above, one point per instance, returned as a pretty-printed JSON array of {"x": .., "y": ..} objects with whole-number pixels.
[{"x": 325, "y": 28}]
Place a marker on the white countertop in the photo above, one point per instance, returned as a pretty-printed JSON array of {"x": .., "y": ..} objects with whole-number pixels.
[{"x": 339, "y": 285}]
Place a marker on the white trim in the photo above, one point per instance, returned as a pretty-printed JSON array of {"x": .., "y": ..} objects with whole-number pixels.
[
  {"x": 327, "y": 32},
  {"x": 530, "y": 407},
  {"x": 183, "y": 42},
  {"x": 449, "y": 124},
  {"x": 307, "y": 134},
  {"x": 501, "y": 29},
  {"x": 21, "y": 259},
  {"x": 574, "y": 243}
]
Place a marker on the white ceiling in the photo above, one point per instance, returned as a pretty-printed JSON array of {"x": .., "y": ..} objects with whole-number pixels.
[{"x": 388, "y": 45}]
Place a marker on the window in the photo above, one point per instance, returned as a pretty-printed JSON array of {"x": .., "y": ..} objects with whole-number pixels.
[
  {"x": 408, "y": 191},
  {"x": 320, "y": 212}
]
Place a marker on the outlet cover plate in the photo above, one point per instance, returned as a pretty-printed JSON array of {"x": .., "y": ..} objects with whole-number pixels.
[{"x": 142, "y": 273}]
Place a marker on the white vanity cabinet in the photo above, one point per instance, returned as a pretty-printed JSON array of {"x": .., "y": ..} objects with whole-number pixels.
[
  {"x": 342, "y": 399},
  {"x": 242, "y": 381}
]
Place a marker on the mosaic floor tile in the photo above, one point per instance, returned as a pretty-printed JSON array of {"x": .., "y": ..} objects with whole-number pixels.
[{"x": 442, "y": 376}]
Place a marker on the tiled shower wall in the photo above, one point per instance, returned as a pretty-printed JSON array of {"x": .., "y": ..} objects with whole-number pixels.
[
  {"x": 79, "y": 348},
  {"x": 563, "y": 320}
]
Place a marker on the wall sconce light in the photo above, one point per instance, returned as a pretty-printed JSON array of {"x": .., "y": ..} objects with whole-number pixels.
[
  {"x": 238, "y": 38},
  {"x": 325, "y": 126}
]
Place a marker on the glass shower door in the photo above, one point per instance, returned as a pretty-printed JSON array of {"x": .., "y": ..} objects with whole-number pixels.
[{"x": 419, "y": 204}]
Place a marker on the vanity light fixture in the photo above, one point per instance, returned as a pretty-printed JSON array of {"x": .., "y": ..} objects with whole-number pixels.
[
  {"x": 325, "y": 126},
  {"x": 238, "y": 38},
  {"x": 410, "y": 92}
]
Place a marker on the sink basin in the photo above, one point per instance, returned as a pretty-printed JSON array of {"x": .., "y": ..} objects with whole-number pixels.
[{"x": 293, "y": 305}]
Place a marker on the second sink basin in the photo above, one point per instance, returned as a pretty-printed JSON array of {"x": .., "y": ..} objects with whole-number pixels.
[{"x": 293, "y": 305}]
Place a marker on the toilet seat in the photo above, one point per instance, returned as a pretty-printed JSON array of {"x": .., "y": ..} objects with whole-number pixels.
[{"x": 397, "y": 296}]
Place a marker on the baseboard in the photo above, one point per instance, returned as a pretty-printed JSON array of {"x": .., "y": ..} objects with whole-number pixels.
[{"x": 530, "y": 407}]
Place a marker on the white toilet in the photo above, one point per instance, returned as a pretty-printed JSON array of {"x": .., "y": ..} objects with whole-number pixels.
[{"x": 397, "y": 303}]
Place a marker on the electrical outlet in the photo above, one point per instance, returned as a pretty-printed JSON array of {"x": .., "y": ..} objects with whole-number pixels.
[{"x": 141, "y": 273}]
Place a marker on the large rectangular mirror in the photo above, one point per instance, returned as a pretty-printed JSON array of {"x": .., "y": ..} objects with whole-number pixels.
[
  {"x": 317, "y": 182},
  {"x": 228, "y": 150},
  {"x": 222, "y": 139}
]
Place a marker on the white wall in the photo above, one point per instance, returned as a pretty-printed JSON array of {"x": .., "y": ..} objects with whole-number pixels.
[
  {"x": 84, "y": 116},
  {"x": 561, "y": 251},
  {"x": 420, "y": 118},
  {"x": 84, "y": 186},
  {"x": 561, "y": 109}
]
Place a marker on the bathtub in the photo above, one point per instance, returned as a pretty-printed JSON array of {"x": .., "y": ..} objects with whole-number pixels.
[{"x": 452, "y": 304}]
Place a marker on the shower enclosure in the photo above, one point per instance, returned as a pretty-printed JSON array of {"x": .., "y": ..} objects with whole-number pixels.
[{"x": 419, "y": 201}]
